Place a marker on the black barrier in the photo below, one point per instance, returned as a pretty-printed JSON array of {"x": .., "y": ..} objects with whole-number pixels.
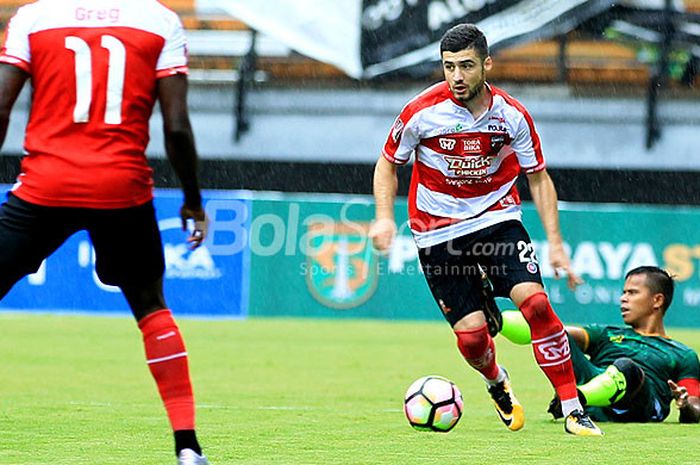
[{"x": 573, "y": 185}]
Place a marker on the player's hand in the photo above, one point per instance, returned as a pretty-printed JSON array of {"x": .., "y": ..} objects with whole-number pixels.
[
  {"x": 680, "y": 394},
  {"x": 562, "y": 267},
  {"x": 201, "y": 224},
  {"x": 382, "y": 233}
]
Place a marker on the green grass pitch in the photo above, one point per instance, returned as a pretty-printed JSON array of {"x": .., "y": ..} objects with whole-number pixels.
[{"x": 75, "y": 390}]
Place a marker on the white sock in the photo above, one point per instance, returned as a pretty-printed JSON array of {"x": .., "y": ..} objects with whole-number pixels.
[
  {"x": 568, "y": 406},
  {"x": 499, "y": 379}
]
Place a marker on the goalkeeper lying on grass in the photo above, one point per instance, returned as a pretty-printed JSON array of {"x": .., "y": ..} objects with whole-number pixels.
[{"x": 632, "y": 372}]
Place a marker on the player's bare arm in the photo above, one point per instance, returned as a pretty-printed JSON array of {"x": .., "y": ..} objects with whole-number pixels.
[
  {"x": 579, "y": 335},
  {"x": 385, "y": 183},
  {"x": 544, "y": 195},
  {"x": 179, "y": 145},
  {"x": 689, "y": 406},
  {"x": 11, "y": 82}
]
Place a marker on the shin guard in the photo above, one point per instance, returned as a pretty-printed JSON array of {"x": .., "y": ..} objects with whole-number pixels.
[
  {"x": 167, "y": 360},
  {"x": 477, "y": 348},
  {"x": 550, "y": 345}
]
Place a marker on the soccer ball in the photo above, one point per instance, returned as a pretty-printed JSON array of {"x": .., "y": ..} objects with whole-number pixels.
[{"x": 433, "y": 403}]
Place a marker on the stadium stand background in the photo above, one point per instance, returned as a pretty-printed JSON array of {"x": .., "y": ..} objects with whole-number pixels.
[{"x": 313, "y": 129}]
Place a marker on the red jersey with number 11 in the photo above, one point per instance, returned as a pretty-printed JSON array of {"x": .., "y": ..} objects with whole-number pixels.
[{"x": 94, "y": 66}]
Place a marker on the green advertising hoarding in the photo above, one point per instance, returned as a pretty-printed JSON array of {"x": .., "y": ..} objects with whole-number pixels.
[
  {"x": 310, "y": 256},
  {"x": 605, "y": 241}
]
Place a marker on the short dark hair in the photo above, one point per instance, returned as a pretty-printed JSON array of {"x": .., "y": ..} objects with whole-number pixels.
[
  {"x": 658, "y": 280},
  {"x": 463, "y": 36}
]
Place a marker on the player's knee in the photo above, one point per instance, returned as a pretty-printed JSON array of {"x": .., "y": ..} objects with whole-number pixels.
[
  {"x": 633, "y": 373},
  {"x": 144, "y": 300},
  {"x": 13, "y": 271},
  {"x": 541, "y": 318},
  {"x": 537, "y": 307},
  {"x": 473, "y": 342},
  {"x": 9, "y": 280}
]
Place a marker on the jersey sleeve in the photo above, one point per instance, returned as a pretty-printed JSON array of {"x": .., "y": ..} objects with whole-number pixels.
[
  {"x": 402, "y": 140},
  {"x": 595, "y": 335},
  {"x": 689, "y": 370},
  {"x": 173, "y": 57},
  {"x": 526, "y": 145},
  {"x": 691, "y": 385},
  {"x": 15, "y": 48}
]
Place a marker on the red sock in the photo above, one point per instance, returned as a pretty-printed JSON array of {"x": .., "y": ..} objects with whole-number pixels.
[
  {"x": 167, "y": 359},
  {"x": 550, "y": 345},
  {"x": 476, "y": 346}
]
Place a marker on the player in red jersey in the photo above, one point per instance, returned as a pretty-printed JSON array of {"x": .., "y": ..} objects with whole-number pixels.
[
  {"x": 471, "y": 141},
  {"x": 96, "y": 69}
]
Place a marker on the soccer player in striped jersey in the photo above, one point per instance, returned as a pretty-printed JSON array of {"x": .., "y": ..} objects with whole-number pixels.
[
  {"x": 96, "y": 69},
  {"x": 471, "y": 141}
]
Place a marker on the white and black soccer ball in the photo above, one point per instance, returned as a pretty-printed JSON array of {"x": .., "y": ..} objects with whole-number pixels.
[{"x": 433, "y": 403}]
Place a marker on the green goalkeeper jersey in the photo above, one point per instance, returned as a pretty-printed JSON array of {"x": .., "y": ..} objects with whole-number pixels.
[{"x": 661, "y": 358}]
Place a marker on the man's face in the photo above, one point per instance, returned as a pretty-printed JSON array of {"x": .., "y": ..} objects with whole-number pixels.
[
  {"x": 637, "y": 302},
  {"x": 465, "y": 73}
]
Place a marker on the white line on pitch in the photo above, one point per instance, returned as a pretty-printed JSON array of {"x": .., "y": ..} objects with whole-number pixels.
[
  {"x": 289, "y": 408},
  {"x": 282, "y": 408},
  {"x": 90, "y": 403}
]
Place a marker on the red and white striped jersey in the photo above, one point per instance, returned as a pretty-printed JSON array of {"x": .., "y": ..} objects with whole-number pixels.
[
  {"x": 94, "y": 66},
  {"x": 465, "y": 169}
]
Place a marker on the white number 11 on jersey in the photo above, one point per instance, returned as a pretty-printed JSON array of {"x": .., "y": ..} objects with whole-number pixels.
[{"x": 83, "y": 78}]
